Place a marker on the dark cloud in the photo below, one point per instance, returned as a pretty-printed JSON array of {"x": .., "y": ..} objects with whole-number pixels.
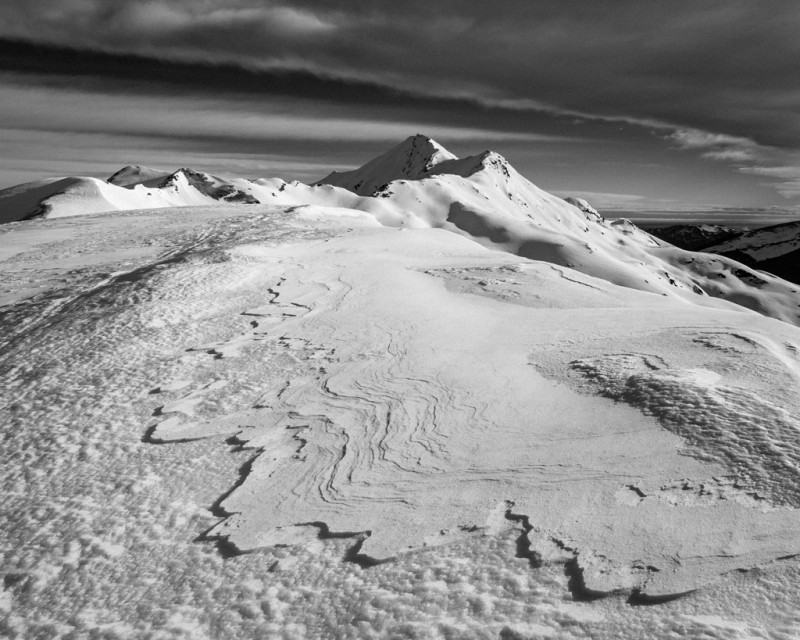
[
  {"x": 723, "y": 65},
  {"x": 688, "y": 70},
  {"x": 74, "y": 69}
]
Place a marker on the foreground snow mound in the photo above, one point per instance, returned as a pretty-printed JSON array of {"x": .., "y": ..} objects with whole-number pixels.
[
  {"x": 407, "y": 427},
  {"x": 509, "y": 440}
]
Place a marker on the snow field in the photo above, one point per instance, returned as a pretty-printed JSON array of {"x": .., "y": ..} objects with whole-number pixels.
[{"x": 290, "y": 422}]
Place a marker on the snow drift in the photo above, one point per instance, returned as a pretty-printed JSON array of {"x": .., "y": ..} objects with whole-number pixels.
[{"x": 455, "y": 406}]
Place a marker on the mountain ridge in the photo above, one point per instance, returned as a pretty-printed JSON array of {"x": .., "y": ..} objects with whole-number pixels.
[{"x": 420, "y": 184}]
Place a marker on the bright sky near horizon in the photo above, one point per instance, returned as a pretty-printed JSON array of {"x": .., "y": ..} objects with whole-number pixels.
[{"x": 633, "y": 104}]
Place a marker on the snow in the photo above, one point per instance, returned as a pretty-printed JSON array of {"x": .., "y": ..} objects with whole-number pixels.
[
  {"x": 413, "y": 159},
  {"x": 135, "y": 174},
  {"x": 424, "y": 186},
  {"x": 765, "y": 243},
  {"x": 422, "y": 415},
  {"x": 583, "y": 205}
]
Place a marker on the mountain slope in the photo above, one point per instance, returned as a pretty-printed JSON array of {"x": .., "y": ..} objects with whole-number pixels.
[
  {"x": 130, "y": 188},
  {"x": 695, "y": 237},
  {"x": 775, "y": 249},
  {"x": 419, "y": 184},
  {"x": 412, "y": 159},
  {"x": 135, "y": 174},
  {"x": 485, "y": 199},
  {"x": 70, "y": 197},
  {"x": 220, "y": 417}
]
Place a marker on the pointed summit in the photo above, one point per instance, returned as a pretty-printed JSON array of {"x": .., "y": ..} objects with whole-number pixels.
[
  {"x": 135, "y": 174},
  {"x": 207, "y": 185},
  {"x": 469, "y": 166},
  {"x": 412, "y": 159}
]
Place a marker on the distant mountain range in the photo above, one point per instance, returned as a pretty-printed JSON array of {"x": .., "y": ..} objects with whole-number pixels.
[
  {"x": 695, "y": 237},
  {"x": 774, "y": 249},
  {"x": 418, "y": 183}
]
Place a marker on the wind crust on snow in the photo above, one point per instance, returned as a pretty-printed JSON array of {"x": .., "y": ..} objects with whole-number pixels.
[
  {"x": 374, "y": 413},
  {"x": 379, "y": 372}
]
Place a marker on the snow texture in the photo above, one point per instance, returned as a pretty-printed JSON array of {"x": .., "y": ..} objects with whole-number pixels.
[{"x": 420, "y": 415}]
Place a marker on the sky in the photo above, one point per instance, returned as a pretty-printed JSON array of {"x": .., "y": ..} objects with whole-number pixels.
[{"x": 633, "y": 104}]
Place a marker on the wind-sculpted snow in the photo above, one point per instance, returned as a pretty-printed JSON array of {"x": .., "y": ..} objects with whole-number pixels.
[
  {"x": 299, "y": 381},
  {"x": 724, "y": 424},
  {"x": 417, "y": 416}
]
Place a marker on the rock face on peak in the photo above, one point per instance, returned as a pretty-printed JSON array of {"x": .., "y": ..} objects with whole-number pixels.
[
  {"x": 412, "y": 159},
  {"x": 488, "y": 161},
  {"x": 583, "y": 205},
  {"x": 207, "y": 185},
  {"x": 135, "y": 174},
  {"x": 419, "y": 184}
]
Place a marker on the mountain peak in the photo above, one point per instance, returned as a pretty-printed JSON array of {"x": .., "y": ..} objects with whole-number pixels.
[
  {"x": 412, "y": 159},
  {"x": 135, "y": 174},
  {"x": 207, "y": 185},
  {"x": 422, "y": 146},
  {"x": 469, "y": 166}
]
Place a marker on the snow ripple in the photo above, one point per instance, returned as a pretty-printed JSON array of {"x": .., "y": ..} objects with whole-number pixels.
[{"x": 725, "y": 424}]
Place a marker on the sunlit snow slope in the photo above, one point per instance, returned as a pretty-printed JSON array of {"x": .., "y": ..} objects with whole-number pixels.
[
  {"x": 419, "y": 184},
  {"x": 455, "y": 407}
]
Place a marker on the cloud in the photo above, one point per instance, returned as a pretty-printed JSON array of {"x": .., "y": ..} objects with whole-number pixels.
[
  {"x": 718, "y": 146},
  {"x": 731, "y": 155},
  {"x": 696, "y": 139},
  {"x": 32, "y": 155},
  {"x": 80, "y": 110},
  {"x": 787, "y": 178},
  {"x": 782, "y": 166},
  {"x": 610, "y": 201},
  {"x": 696, "y": 65},
  {"x": 697, "y": 72}
]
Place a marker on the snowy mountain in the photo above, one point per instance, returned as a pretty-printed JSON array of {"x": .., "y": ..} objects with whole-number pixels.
[
  {"x": 419, "y": 184},
  {"x": 135, "y": 174},
  {"x": 128, "y": 189},
  {"x": 412, "y": 159},
  {"x": 775, "y": 249},
  {"x": 583, "y": 205},
  {"x": 485, "y": 199},
  {"x": 695, "y": 237},
  {"x": 451, "y": 406}
]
